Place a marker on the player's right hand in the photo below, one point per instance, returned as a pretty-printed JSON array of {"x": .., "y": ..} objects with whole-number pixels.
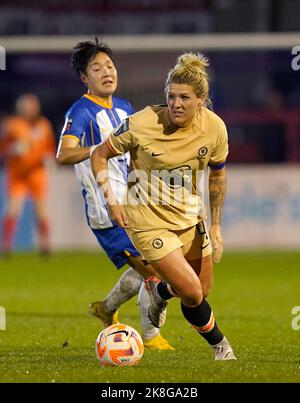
[
  {"x": 117, "y": 213},
  {"x": 217, "y": 242}
]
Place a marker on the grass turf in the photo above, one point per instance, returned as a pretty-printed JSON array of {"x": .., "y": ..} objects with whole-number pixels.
[{"x": 50, "y": 337}]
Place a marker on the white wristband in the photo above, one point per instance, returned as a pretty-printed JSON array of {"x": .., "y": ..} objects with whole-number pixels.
[{"x": 92, "y": 149}]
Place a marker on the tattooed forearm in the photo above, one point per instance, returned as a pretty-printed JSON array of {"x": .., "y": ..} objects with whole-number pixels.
[{"x": 217, "y": 192}]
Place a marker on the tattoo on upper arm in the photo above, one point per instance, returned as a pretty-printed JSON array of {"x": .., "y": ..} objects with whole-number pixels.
[{"x": 217, "y": 192}]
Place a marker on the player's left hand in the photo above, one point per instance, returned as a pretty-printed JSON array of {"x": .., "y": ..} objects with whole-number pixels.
[
  {"x": 217, "y": 242},
  {"x": 117, "y": 213}
]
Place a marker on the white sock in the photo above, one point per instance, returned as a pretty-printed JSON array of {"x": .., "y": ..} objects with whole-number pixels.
[
  {"x": 149, "y": 331},
  {"x": 127, "y": 286}
]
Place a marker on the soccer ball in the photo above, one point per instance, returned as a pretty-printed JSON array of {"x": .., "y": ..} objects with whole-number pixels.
[{"x": 119, "y": 344}]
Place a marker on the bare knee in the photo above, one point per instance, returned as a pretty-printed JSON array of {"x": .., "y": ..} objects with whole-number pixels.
[
  {"x": 192, "y": 296},
  {"x": 206, "y": 288},
  {"x": 14, "y": 207}
]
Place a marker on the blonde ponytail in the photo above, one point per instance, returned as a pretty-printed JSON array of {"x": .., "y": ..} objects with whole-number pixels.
[{"x": 191, "y": 69}]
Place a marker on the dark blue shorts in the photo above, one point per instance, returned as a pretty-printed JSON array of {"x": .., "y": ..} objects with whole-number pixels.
[{"x": 116, "y": 244}]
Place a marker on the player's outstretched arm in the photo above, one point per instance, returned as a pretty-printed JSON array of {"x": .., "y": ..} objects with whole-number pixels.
[
  {"x": 99, "y": 164},
  {"x": 69, "y": 152},
  {"x": 217, "y": 192}
]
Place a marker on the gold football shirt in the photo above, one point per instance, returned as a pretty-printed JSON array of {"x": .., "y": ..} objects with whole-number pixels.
[{"x": 167, "y": 164}]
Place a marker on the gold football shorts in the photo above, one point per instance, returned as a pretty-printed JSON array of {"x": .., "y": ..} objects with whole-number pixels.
[{"x": 156, "y": 244}]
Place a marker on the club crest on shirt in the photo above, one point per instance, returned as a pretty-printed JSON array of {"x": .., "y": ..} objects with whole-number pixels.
[
  {"x": 123, "y": 127},
  {"x": 157, "y": 243},
  {"x": 69, "y": 124},
  {"x": 202, "y": 152}
]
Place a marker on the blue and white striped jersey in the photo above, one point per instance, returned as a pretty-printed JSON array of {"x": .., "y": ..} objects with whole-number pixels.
[{"x": 90, "y": 122}]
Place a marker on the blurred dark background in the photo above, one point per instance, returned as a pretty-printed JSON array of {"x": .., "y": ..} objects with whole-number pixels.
[
  {"x": 255, "y": 90},
  {"x": 62, "y": 17}
]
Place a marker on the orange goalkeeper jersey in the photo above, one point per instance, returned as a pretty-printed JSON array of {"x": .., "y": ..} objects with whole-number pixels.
[{"x": 24, "y": 146}]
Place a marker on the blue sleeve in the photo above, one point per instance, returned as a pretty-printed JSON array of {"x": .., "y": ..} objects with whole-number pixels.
[
  {"x": 128, "y": 108},
  {"x": 75, "y": 123},
  {"x": 131, "y": 109}
]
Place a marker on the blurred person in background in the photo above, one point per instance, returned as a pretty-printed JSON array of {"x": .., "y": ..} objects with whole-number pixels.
[
  {"x": 88, "y": 123},
  {"x": 26, "y": 142}
]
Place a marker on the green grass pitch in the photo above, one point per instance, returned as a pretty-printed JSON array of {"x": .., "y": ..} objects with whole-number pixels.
[{"x": 50, "y": 338}]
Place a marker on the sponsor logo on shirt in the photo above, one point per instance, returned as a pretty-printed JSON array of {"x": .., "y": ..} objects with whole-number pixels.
[
  {"x": 179, "y": 177},
  {"x": 123, "y": 127}
]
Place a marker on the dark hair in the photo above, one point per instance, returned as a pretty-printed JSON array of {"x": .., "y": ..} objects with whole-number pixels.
[{"x": 83, "y": 52}]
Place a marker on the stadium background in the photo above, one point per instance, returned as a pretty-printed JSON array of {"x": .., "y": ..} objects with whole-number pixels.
[{"x": 253, "y": 87}]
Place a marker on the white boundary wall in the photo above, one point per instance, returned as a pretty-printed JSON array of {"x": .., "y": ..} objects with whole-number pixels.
[
  {"x": 251, "y": 41},
  {"x": 262, "y": 209},
  {"x": 66, "y": 210}
]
